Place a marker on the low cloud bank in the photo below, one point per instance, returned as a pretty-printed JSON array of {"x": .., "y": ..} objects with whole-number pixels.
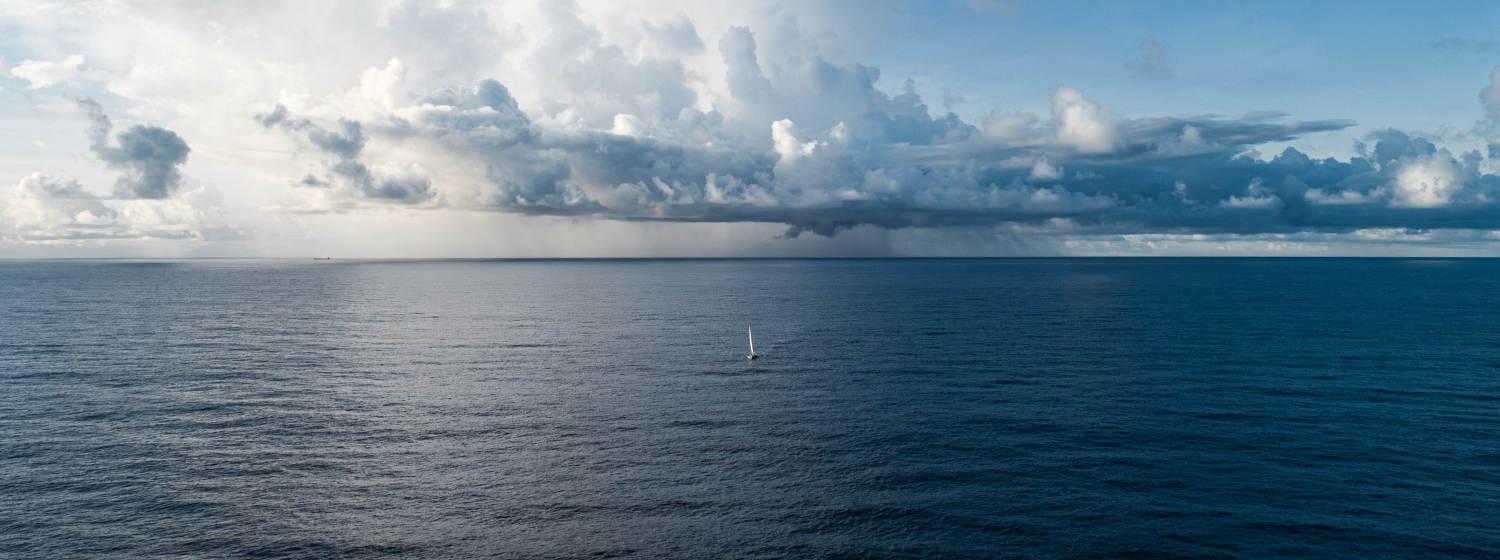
[
  {"x": 888, "y": 161},
  {"x": 149, "y": 200},
  {"x": 531, "y": 109}
]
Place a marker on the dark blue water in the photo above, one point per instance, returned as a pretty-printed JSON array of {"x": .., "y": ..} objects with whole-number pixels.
[{"x": 1070, "y": 408}]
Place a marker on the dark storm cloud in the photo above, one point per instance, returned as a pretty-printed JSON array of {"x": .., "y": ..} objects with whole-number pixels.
[{"x": 149, "y": 155}]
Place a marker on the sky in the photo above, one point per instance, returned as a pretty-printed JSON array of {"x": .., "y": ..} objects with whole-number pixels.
[{"x": 747, "y": 128}]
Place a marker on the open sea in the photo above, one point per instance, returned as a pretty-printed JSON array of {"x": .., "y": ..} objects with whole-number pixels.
[{"x": 1000, "y": 408}]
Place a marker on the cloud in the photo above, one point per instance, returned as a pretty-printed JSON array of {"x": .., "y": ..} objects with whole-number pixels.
[
  {"x": 1042, "y": 171},
  {"x": 150, "y": 155},
  {"x": 952, "y": 99},
  {"x": 890, "y": 168},
  {"x": 676, "y": 35},
  {"x": 149, "y": 200},
  {"x": 871, "y": 158},
  {"x": 746, "y": 82},
  {"x": 41, "y": 209},
  {"x": 671, "y": 119},
  {"x": 1489, "y": 126},
  {"x": 343, "y": 167},
  {"x": 1425, "y": 177},
  {"x": 1464, "y": 44},
  {"x": 1082, "y": 124},
  {"x": 1009, "y": 127},
  {"x": 1151, "y": 60},
  {"x": 43, "y": 73}
]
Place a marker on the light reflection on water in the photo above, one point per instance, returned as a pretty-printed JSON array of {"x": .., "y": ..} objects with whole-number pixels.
[{"x": 1031, "y": 408}]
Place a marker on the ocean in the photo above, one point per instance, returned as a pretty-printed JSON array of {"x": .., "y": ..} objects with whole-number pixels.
[{"x": 988, "y": 408}]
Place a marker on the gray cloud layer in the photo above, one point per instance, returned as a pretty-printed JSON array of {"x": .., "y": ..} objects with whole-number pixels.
[
  {"x": 817, "y": 146},
  {"x": 149, "y": 155},
  {"x": 345, "y": 145}
]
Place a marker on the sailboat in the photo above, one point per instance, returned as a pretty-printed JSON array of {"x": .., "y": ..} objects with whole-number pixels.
[{"x": 752, "y": 355}]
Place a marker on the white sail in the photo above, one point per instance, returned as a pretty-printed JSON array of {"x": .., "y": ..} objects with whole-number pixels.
[{"x": 752, "y": 340}]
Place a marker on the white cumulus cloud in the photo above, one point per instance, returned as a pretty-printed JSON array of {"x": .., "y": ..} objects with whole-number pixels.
[
  {"x": 43, "y": 73},
  {"x": 1082, "y": 124}
]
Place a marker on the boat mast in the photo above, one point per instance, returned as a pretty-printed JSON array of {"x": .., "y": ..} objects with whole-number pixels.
[{"x": 752, "y": 340}]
